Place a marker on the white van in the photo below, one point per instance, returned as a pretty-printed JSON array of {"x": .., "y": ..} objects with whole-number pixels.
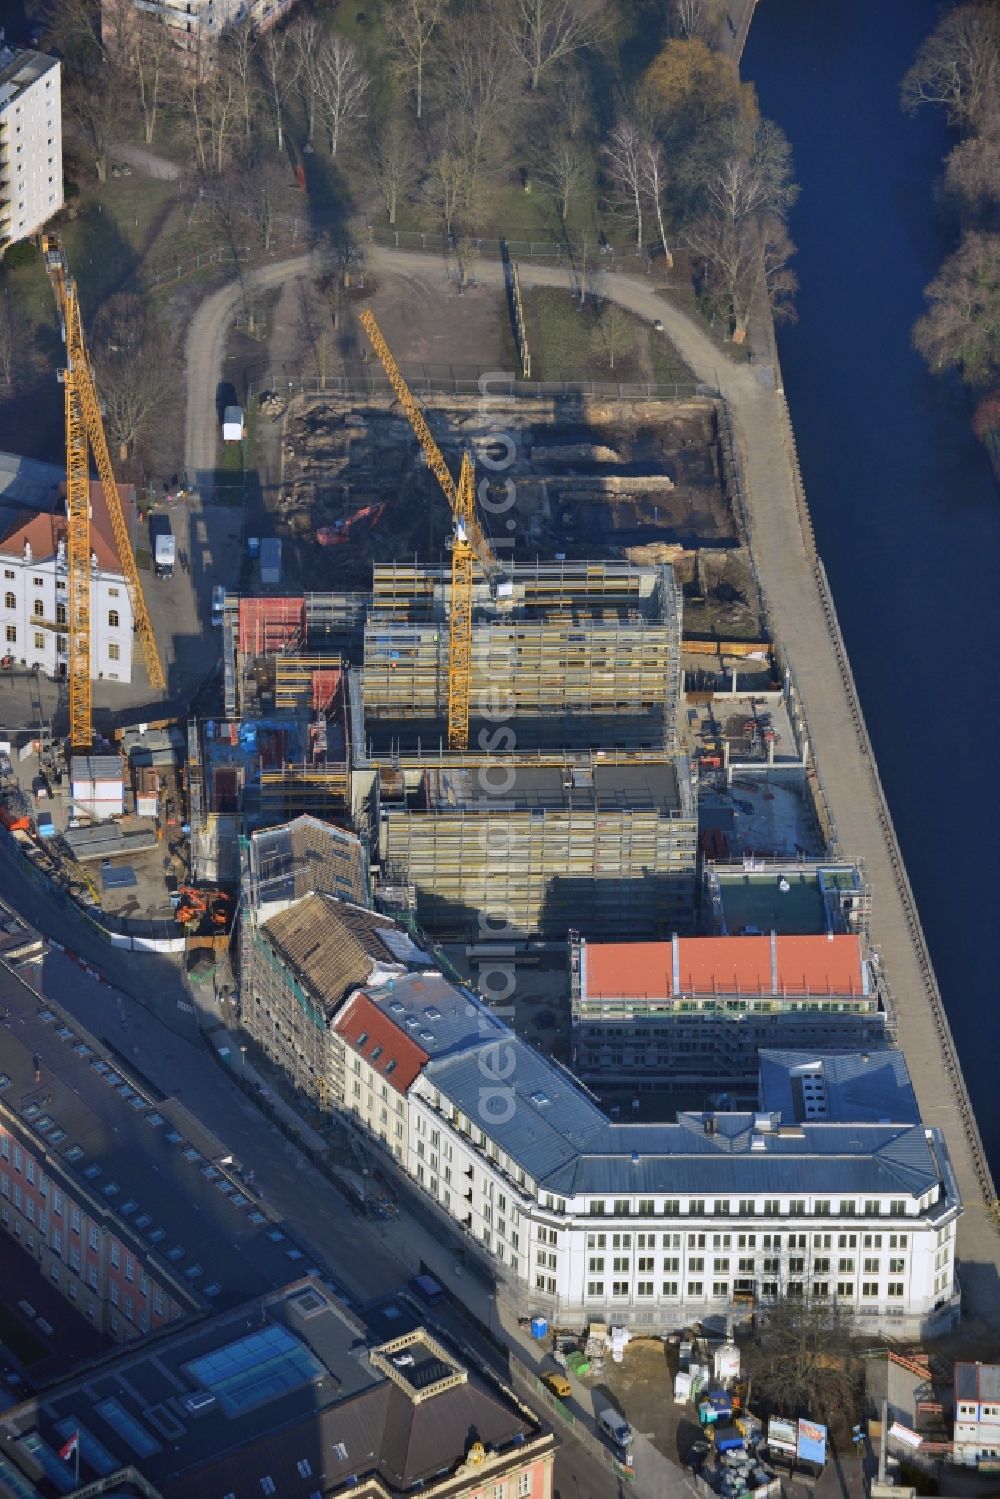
[{"x": 218, "y": 604}]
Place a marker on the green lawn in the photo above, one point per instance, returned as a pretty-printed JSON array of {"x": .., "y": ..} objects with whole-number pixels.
[{"x": 564, "y": 343}]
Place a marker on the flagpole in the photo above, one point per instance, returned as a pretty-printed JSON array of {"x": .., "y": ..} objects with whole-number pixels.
[{"x": 77, "y": 1454}]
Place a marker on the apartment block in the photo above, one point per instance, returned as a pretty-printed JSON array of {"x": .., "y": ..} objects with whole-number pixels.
[{"x": 31, "y": 179}]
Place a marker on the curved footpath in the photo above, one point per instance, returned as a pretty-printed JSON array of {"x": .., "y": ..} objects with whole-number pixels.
[{"x": 804, "y": 621}]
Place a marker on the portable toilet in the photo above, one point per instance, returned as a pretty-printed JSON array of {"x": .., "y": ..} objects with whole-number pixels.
[{"x": 539, "y": 1327}]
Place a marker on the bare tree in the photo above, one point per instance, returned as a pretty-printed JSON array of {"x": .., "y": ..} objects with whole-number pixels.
[
  {"x": 211, "y": 112},
  {"x": 805, "y": 1359},
  {"x": 240, "y": 59},
  {"x": 614, "y": 332},
  {"x": 565, "y": 171},
  {"x": 449, "y": 183},
  {"x": 961, "y": 328},
  {"x": 133, "y": 366},
  {"x": 341, "y": 87},
  {"x": 690, "y": 18},
  {"x": 308, "y": 34},
  {"x": 973, "y": 169},
  {"x": 624, "y": 157},
  {"x": 393, "y": 165},
  {"x": 754, "y": 174},
  {"x": 574, "y": 101},
  {"x": 411, "y": 26},
  {"x": 280, "y": 61},
  {"x": 958, "y": 66},
  {"x": 480, "y": 80},
  {"x": 95, "y": 103},
  {"x": 543, "y": 32},
  {"x": 152, "y": 56},
  {"x": 653, "y": 174},
  {"x": 747, "y": 254}
]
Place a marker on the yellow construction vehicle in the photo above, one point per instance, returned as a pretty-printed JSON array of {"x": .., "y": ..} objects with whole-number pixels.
[
  {"x": 85, "y": 432},
  {"x": 469, "y": 542}
]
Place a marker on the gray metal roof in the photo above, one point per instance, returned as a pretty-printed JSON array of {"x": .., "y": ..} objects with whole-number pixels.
[
  {"x": 564, "y": 1142},
  {"x": 26, "y": 485},
  {"x": 834, "y": 1086},
  {"x": 977, "y": 1382},
  {"x": 96, "y": 768},
  {"x": 435, "y": 1014}
]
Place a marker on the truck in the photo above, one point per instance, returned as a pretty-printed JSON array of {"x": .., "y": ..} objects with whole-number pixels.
[{"x": 164, "y": 546}]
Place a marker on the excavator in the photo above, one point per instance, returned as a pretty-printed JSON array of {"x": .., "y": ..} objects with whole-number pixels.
[{"x": 199, "y": 908}]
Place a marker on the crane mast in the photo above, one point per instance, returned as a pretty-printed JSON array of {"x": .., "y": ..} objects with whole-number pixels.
[
  {"x": 469, "y": 541},
  {"x": 85, "y": 433}
]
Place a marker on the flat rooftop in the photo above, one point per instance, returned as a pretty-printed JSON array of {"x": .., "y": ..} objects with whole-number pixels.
[
  {"x": 289, "y": 1395},
  {"x": 794, "y": 902},
  {"x": 18, "y": 69},
  {"x": 649, "y": 787},
  {"x": 841, "y": 1088},
  {"x": 141, "y": 1161}
]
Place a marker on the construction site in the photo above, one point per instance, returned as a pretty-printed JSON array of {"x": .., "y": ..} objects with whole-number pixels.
[{"x": 519, "y": 728}]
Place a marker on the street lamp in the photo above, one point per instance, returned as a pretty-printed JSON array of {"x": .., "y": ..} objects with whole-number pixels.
[{"x": 243, "y": 1061}]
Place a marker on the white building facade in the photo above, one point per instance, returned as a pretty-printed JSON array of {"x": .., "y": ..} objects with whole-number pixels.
[
  {"x": 31, "y": 180},
  {"x": 34, "y": 614}
]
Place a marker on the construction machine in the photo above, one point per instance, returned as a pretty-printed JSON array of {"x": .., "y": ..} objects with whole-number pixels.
[
  {"x": 200, "y": 908},
  {"x": 85, "y": 433},
  {"x": 469, "y": 542}
]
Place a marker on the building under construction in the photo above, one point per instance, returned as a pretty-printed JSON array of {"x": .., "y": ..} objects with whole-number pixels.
[{"x": 570, "y": 805}]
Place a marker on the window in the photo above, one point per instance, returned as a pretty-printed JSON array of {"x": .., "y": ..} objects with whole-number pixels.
[
  {"x": 821, "y": 1288},
  {"x": 870, "y": 1267},
  {"x": 595, "y": 1288},
  {"x": 304, "y": 1467},
  {"x": 8, "y": 572},
  {"x": 696, "y": 1207},
  {"x": 846, "y": 1288},
  {"x": 38, "y": 609},
  {"x": 696, "y": 1263},
  {"x": 39, "y": 641},
  {"x": 60, "y": 614},
  {"x": 596, "y": 1265},
  {"x": 644, "y": 1288},
  {"x": 619, "y": 1288},
  {"x": 340, "y": 1452},
  {"x": 10, "y": 602},
  {"x": 845, "y": 1266},
  {"x": 113, "y": 618},
  {"x": 116, "y": 1255},
  {"x": 895, "y": 1288},
  {"x": 597, "y": 1241},
  {"x": 896, "y": 1266},
  {"x": 695, "y": 1289},
  {"x": 671, "y": 1207},
  {"x": 268, "y": 1485},
  {"x": 597, "y": 1209},
  {"x": 622, "y": 1207},
  {"x": 872, "y": 1241},
  {"x": 10, "y": 634},
  {"x": 670, "y": 1288},
  {"x": 720, "y": 1288},
  {"x": 772, "y": 1207},
  {"x": 112, "y": 593},
  {"x": 114, "y": 651},
  {"x": 797, "y": 1208},
  {"x": 869, "y": 1288},
  {"x": 821, "y": 1207},
  {"x": 848, "y": 1209},
  {"x": 524, "y": 1484}
]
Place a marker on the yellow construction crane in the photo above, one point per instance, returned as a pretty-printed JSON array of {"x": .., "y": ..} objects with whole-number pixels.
[
  {"x": 85, "y": 432},
  {"x": 469, "y": 541}
]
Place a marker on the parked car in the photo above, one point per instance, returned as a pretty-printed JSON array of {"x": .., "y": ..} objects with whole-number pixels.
[{"x": 558, "y": 1384}]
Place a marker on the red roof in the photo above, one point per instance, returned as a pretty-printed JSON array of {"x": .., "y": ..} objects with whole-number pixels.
[
  {"x": 370, "y": 1032},
  {"x": 724, "y": 965},
  {"x": 44, "y": 530}
]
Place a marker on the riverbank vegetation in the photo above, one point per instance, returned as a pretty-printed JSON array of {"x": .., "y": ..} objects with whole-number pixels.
[{"x": 958, "y": 70}]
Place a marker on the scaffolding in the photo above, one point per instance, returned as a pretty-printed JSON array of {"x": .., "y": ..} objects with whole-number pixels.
[
  {"x": 587, "y": 654},
  {"x": 541, "y": 868}
]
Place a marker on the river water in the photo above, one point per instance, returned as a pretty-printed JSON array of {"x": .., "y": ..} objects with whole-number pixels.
[{"x": 906, "y": 511}]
